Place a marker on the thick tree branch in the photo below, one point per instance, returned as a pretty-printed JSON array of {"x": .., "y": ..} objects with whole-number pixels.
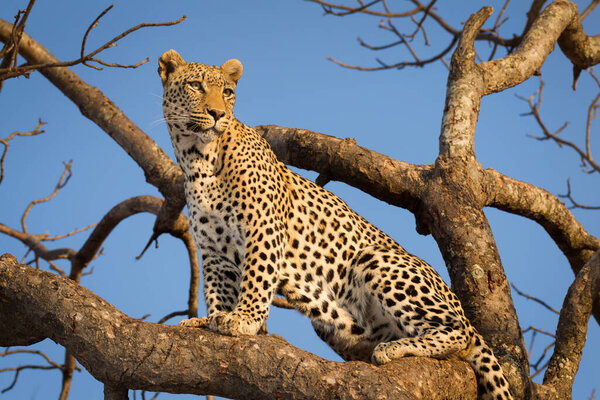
[
  {"x": 463, "y": 96},
  {"x": 572, "y": 328},
  {"x": 561, "y": 20},
  {"x": 581, "y": 49},
  {"x": 531, "y": 202},
  {"x": 543, "y": 207},
  {"x": 383, "y": 177},
  {"x": 123, "y": 352}
]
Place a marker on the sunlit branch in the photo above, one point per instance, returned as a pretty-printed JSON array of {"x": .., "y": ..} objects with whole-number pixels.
[{"x": 572, "y": 327}]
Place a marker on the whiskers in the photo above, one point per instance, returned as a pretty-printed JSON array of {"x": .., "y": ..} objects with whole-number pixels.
[
  {"x": 170, "y": 118},
  {"x": 171, "y": 114}
]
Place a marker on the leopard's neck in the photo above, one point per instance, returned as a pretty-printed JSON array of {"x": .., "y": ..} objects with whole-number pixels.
[{"x": 195, "y": 156}]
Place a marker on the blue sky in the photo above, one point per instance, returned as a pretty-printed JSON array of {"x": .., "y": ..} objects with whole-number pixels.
[{"x": 287, "y": 81}]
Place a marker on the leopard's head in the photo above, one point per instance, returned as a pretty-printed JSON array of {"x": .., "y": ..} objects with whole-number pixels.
[{"x": 198, "y": 99}]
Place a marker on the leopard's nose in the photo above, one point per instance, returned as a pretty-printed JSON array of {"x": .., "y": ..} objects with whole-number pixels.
[{"x": 216, "y": 113}]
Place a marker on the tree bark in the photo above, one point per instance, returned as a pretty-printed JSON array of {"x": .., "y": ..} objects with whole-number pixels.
[
  {"x": 447, "y": 199},
  {"x": 123, "y": 352}
]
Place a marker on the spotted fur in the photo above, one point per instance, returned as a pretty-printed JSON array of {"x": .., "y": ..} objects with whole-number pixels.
[{"x": 262, "y": 229}]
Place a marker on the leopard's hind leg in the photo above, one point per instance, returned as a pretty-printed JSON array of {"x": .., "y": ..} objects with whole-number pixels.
[{"x": 427, "y": 314}]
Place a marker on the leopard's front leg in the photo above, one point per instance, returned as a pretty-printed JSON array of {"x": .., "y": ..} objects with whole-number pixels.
[
  {"x": 222, "y": 278},
  {"x": 260, "y": 271}
]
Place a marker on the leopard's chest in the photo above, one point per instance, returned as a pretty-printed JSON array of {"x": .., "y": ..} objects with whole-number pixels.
[{"x": 213, "y": 220}]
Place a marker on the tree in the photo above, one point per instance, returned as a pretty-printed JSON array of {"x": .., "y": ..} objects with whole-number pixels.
[{"x": 446, "y": 198}]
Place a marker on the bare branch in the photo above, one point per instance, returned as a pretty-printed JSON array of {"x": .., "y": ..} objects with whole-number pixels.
[
  {"x": 17, "y": 370},
  {"x": 62, "y": 181},
  {"x": 536, "y": 366},
  {"x": 123, "y": 210},
  {"x": 69, "y": 234},
  {"x": 559, "y": 21},
  {"x": 172, "y": 315},
  {"x": 6, "y": 73},
  {"x": 28, "y": 351},
  {"x": 34, "y": 243},
  {"x": 118, "y": 213},
  {"x": 585, "y": 156},
  {"x": 534, "y": 329},
  {"x": 543, "y": 303},
  {"x": 534, "y": 11},
  {"x": 328, "y": 7},
  {"x": 9, "y": 52},
  {"x": 572, "y": 200},
  {"x": 34, "y": 132},
  {"x": 589, "y": 9},
  {"x": 158, "y": 168},
  {"x": 537, "y": 204}
]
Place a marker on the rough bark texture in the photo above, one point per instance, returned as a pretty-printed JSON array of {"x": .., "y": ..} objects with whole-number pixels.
[
  {"x": 447, "y": 199},
  {"x": 390, "y": 180},
  {"x": 572, "y": 328},
  {"x": 127, "y": 353}
]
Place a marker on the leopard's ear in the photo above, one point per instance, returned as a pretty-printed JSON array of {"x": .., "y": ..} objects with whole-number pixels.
[
  {"x": 168, "y": 63},
  {"x": 233, "y": 68}
]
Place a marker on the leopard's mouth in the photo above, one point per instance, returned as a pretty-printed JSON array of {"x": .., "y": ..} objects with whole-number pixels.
[
  {"x": 197, "y": 128},
  {"x": 194, "y": 127}
]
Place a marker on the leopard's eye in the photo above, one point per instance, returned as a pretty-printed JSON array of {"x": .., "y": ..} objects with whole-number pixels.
[
  {"x": 196, "y": 85},
  {"x": 227, "y": 92}
]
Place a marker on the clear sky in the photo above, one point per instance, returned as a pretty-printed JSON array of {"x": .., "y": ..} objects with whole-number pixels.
[{"x": 287, "y": 81}]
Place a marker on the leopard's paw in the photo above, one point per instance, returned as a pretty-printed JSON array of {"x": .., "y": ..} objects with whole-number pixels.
[
  {"x": 195, "y": 322},
  {"x": 233, "y": 324},
  {"x": 380, "y": 354}
]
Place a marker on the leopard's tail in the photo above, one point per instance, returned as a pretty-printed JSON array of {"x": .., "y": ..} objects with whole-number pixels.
[{"x": 491, "y": 383}]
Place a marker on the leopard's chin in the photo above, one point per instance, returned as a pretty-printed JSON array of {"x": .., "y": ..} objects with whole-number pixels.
[
  {"x": 205, "y": 134},
  {"x": 194, "y": 127}
]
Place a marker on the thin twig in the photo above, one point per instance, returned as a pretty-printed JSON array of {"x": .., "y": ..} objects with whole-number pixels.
[
  {"x": 587, "y": 160},
  {"x": 17, "y": 370},
  {"x": 554, "y": 310},
  {"x": 399, "y": 65},
  {"x": 62, "y": 181},
  {"x": 6, "y": 73},
  {"x": 589, "y": 9},
  {"x": 575, "y": 204},
  {"x": 10, "y": 51},
  {"x": 171, "y": 315},
  {"x": 538, "y": 330},
  {"x": 5, "y": 142}
]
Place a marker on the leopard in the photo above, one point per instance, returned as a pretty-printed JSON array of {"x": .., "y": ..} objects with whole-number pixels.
[{"x": 264, "y": 230}]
